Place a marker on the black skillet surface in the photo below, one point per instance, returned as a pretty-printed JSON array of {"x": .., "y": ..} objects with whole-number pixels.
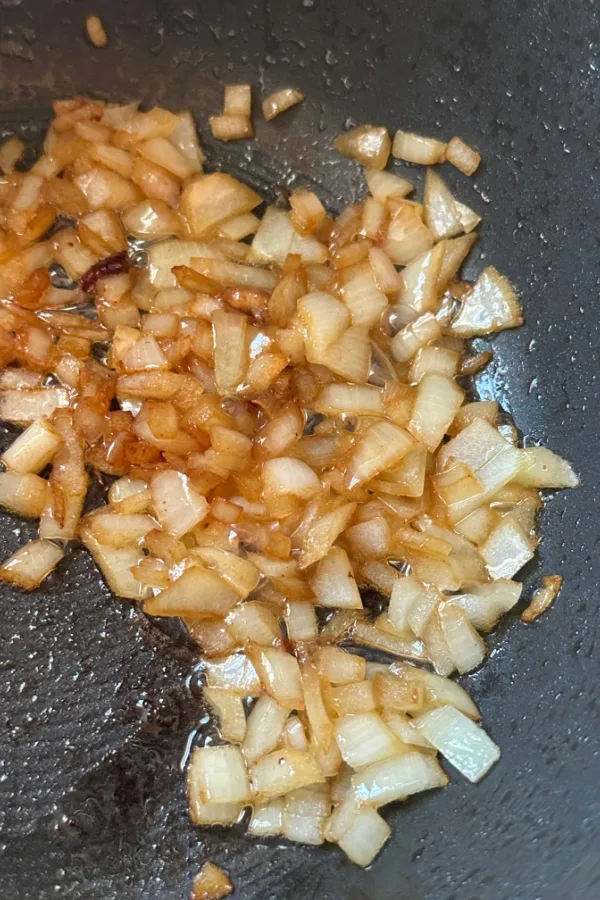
[{"x": 94, "y": 710}]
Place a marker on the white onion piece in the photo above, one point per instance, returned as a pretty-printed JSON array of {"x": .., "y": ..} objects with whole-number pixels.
[
  {"x": 305, "y": 815},
  {"x": 350, "y": 355},
  {"x": 418, "y": 149},
  {"x": 415, "y": 335},
  {"x": 368, "y": 634},
  {"x": 324, "y": 319},
  {"x": 440, "y": 212},
  {"x": 466, "y": 647},
  {"x": 333, "y": 582},
  {"x": 289, "y": 476},
  {"x": 491, "y": 458},
  {"x": 462, "y": 156},
  {"x": 178, "y": 507},
  {"x": 370, "y": 539},
  {"x": 301, "y": 621},
  {"x": 367, "y": 144},
  {"x": 276, "y": 238},
  {"x": 164, "y": 256},
  {"x": 219, "y": 775},
  {"x": 344, "y": 815},
  {"x": 210, "y": 813},
  {"x": 398, "y": 778},
  {"x": 24, "y": 407},
  {"x": 30, "y": 564},
  {"x": 546, "y": 470},
  {"x": 469, "y": 219},
  {"x": 364, "y": 739},
  {"x": 385, "y": 185},
  {"x": 231, "y": 127},
  {"x": 441, "y": 691},
  {"x": 264, "y": 728},
  {"x": 279, "y": 673},
  {"x": 351, "y": 399},
  {"x": 405, "y": 592},
  {"x": 280, "y": 101},
  {"x": 422, "y": 609},
  {"x": 238, "y": 572},
  {"x": 437, "y": 360},
  {"x": 233, "y": 673},
  {"x": 419, "y": 289},
  {"x": 484, "y": 604},
  {"x": 116, "y": 564},
  {"x": 197, "y": 592},
  {"x": 254, "y": 621},
  {"x": 267, "y": 820},
  {"x": 490, "y": 306},
  {"x": 506, "y": 549},
  {"x": 364, "y": 299},
  {"x": 400, "y": 724},
  {"x": 231, "y": 274},
  {"x": 408, "y": 237},
  {"x": 185, "y": 137},
  {"x": 283, "y": 771},
  {"x": 120, "y": 529},
  {"x": 323, "y": 534},
  {"x": 27, "y": 494},
  {"x": 365, "y": 837},
  {"x": 382, "y": 446},
  {"x": 229, "y": 710},
  {"x": 465, "y": 745},
  {"x": 125, "y": 488},
  {"x": 230, "y": 355},
  {"x": 340, "y": 667},
  {"x": 294, "y": 735},
  {"x": 211, "y": 200},
  {"x": 437, "y": 402}
]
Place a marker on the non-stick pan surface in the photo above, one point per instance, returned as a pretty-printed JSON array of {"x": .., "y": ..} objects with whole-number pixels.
[{"x": 94, "y": 708}]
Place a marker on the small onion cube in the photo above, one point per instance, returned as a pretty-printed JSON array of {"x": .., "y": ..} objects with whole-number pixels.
[
  {"x": 282, "y": 771},
  {"x": 219, "y": 775},
  {"x": 398, "y": 778},
  {"x": 264, "y": 728},
  {"x": 365, "y": 837},
  {"x": 178, "y": 507},
  {"x": 364, "y": 739},
  {"x": 465, "y": 745},
  {"x": 267, "y": 819},
  {"x": 30, "y": 564}
]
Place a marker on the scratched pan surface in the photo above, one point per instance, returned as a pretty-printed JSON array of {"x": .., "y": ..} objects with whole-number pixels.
[{"x": 94, "y": 708}]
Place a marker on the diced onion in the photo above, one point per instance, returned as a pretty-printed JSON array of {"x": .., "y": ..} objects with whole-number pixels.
[
  {"x": 219, "y": 775},
  {"x": 368, "y": 145},
  {"x": 465, "y": 745}
]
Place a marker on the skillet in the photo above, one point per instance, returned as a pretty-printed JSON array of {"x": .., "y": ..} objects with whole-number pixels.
[{"x": 95, "y": 708}]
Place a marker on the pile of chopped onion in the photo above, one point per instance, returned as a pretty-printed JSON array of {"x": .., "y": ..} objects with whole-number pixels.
[{"x": 278, "y": 402}]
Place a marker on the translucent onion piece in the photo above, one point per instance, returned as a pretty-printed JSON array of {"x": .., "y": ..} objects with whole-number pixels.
[
  {"x": 219, "y": 775},
  {"x": 466, "y": 647},
  {"x": 364, "y": 739},
  {"x": 229, "y": 710},
  {"x": 33, "y": 449},
  {"x": 465, "y": 745},
  {"x": 178, "y": 507},
  {"x": 440, "y": 210},
  {"x": 24, "y": 407},
  {"x": 197, "y": 592},
  {"x": 279, "y": 673},
  {"x": 365, "y": 837},
  {"x": 164, "y": 256},
  {"x": 280, "y": 101},
  {"x": 305, "y": 814},
  {"x": 368, "y": 145},
  {"x": 437, "y": 402},
  {"x": 462, "y": 156},
  {"x": 27, "y": 494},
  {"x": 418, "y": 149},
  {"x": 267, "y": 820},
  {"x": 506, "y": 549},
  {"x": 116, "y": 565},
  {"x": 29, "y": 565},
  {"x": 211, "y": 883},
  {"x": 490, "y": 306},
  {"x": 333, "y": 582},
  {"x": 264, "y": 728},
  {"x": 238, "y": 572},
  {"x": 276, "y": 238},
  {"x": 546, "y": 470},
  {"x": 233, "y": 673},
  {"x": 385, "y": 185},
  {"x": 323, "y": 534},
  {"x": 382, "y": 446},
  {"x": 282, "y": 771},
  {"x": 213, "y": 199},
  {"x": 398, "y": 778}
]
